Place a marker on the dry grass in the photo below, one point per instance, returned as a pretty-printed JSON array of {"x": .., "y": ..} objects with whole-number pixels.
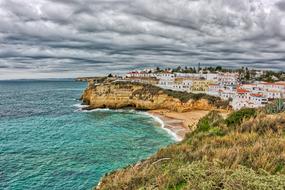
[{"x": 264, "y": 124}]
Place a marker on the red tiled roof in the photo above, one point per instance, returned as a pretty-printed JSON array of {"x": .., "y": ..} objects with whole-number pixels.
[
  {"x": 133, "y": 72},
  {"x": 256, "y": 95},
  {"x": 242, "y": 91}
]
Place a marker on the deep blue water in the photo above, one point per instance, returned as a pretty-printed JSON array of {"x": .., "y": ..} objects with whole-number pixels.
[{"x": 47, "y": 143}]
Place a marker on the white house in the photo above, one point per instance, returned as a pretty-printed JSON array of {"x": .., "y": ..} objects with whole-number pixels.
[
  {"x": 228, "y": 79},
  {"x": 214, "y": 89},
  {"x": 257, "y": 100},
  {"x": 227, "y": 94},
  {"x": 211, "y": 76},
  {"x": 254, "y": 88},
  {"x": 178, "y": 84},
  {"x": 139, "y": 74},
  {"x": 245, "y": 98},
  {"x": 188, "y": 75},
  {"x": 273, "y": 94},
  {"x": 273, "y": 90},
  {"x": 277, "y": 86},
  {"x": 166, "y": 83},
  {"x": 165, "y": 75}
]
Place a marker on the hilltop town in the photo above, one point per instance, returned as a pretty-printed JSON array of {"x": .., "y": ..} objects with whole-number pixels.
[{"x": 241, "y": 87}]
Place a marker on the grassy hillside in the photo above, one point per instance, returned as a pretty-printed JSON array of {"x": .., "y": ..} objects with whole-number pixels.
[{"x": 244, "y": 151}]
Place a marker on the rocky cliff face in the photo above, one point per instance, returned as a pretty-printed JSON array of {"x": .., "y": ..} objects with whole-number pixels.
[{"x": 139, "y": 96}]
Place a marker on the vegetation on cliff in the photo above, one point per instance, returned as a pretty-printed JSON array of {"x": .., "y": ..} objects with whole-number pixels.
[{"x": 244, "y": 151}]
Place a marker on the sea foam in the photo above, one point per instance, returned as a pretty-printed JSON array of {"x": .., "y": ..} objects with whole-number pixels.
[
  {"x": 162, "y": 125},
  {"x": 155, "y": 118}
]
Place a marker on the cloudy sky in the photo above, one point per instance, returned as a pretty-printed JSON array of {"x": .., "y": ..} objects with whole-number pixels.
[{"x": 68, "y": 38}]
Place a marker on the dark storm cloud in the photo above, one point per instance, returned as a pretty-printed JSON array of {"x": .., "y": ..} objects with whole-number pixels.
[
  {"x": 48, "y": 38},
  {"x": 281, "y": 5}
]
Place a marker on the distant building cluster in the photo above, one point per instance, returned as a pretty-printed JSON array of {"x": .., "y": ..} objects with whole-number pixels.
[{"x": 225, "y": 85}]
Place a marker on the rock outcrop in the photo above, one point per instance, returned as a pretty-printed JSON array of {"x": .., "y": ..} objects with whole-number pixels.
[{"x": 139, "y": 96}]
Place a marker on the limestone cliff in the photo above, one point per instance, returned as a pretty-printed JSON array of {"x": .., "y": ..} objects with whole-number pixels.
[{"x": 140, "y": 96}]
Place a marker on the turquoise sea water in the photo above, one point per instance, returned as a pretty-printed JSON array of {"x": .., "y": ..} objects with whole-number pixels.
[{"x": 46, "y": 142}]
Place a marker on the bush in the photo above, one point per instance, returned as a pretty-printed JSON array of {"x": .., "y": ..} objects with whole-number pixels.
[
  {"x": 210, "y": 121},
  {"x": 237, "y": 117},
  {"x": 182, "y": 96},
  {"x": 205, "y": 175}
]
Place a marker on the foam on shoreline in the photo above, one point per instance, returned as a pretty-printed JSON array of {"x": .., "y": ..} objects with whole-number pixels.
[
  {"x": 175, "y": 136},
  {"x": 158, "y": 119},
  {"x": 79, "y": 105}
]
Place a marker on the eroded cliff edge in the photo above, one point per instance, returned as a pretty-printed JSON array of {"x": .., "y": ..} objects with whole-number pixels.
[{"x": 121, "y": 94}]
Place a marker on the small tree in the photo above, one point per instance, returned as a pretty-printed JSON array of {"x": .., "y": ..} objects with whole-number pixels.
[{"x": 219, "y": 68}]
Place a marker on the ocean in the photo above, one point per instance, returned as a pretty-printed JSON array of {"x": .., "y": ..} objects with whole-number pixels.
[{"x": 48, "y": 142}]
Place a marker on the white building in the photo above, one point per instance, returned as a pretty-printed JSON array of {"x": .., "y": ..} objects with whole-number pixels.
[
  {"x": 165, "y": 75},
  {"x": 228, "y": 79},
  {"x": 245, "y": 98},
  {"x": 214, "y": 90},
  {"x": 227, "y": 94},
  {"x": 257, "y": 100},
  {"x": 140, "y": 74},
  {"x": 177, "y": 84},
  {"x": 273, "y": 94},
  {"x": 188, "y": 75},
  {"x": 211, "y": 76},
  {"x": 276, "y": 90},
  {"x": 166, "y": 82},
  {"x": 254, "y": 88}
]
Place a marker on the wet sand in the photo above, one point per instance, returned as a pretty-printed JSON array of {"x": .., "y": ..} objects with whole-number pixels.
[{"x": 179, "y": 123}]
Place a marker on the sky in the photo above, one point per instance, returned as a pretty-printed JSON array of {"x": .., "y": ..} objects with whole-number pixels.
[{"x": 70, "y": 38}]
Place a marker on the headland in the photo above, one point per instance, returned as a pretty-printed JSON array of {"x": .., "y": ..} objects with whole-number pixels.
[{"x": 180, "y": 111}]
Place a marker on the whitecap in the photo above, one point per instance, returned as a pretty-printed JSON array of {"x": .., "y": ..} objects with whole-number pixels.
[
  {"x": 79, "y": 105},
  {"x": 96, "y": 110}
]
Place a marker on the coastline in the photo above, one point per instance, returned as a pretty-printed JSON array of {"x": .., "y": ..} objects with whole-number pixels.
[
  {"x": 172, "y": 130},
  {"x": 177, "y": 124}
]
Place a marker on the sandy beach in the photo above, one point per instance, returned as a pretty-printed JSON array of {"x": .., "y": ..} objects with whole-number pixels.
[{"x": 179, "y": 123}]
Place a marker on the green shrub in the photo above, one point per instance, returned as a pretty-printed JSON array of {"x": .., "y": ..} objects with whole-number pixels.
[
  {"x": 237, "y": 117},
  {"x": 182, "y": 96},
  {"x": 210, "y": 121}
]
